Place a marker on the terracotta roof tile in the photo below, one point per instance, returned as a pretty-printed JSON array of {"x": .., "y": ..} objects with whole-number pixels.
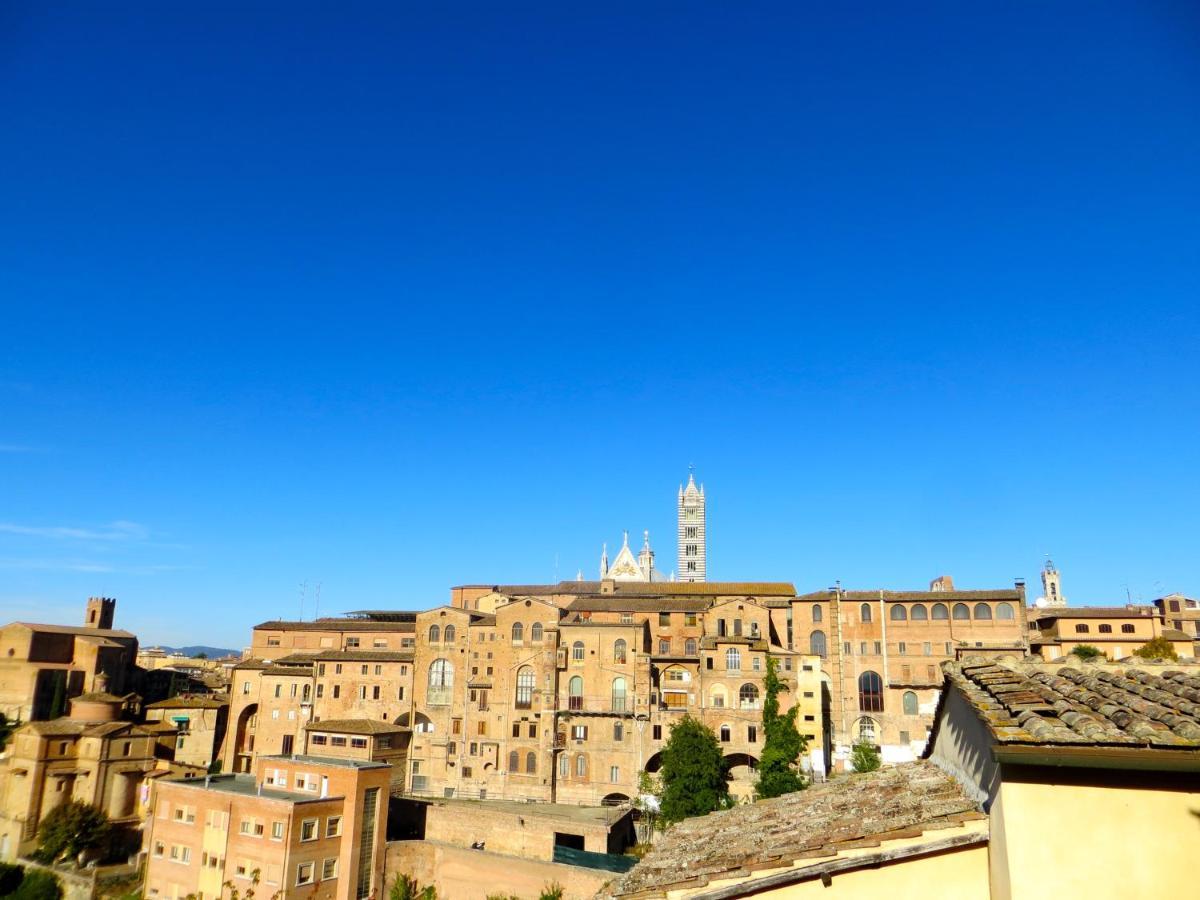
[
  {"x": 1122, "y": 705},
  {"x": 853, "y": 811}
]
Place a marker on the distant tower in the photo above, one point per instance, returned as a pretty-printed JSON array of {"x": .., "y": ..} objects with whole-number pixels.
[
  {"x": 693, "y": 549},
  {"x": 100, "y": 612},
  {"x": 646, "y": 558},
  {"x": 1052, "y": 595},
  {"x": 604, "y": 562}
]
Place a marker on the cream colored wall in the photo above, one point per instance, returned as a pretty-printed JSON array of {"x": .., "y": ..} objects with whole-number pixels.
[
  {"x": 962, "y": 874},
  {"x": 1063, "y": 840},
  {"x": 474, "y": 874}
]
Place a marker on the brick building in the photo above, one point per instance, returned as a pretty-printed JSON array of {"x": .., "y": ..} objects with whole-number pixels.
[
  {"x": 302, "y": 826},
  {"x": 44, "y": 664}
]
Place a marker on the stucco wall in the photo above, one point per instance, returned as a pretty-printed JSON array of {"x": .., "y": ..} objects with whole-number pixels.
[
  {"x": 474, "y": 874},
  {"x": 1065, "y": 839},
  {"x": 961, "y": 874}
]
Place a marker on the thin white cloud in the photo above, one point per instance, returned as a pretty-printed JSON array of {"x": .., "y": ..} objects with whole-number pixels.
[
  {"x": 114, "y": 531},
  {"x": 85, "y": 566},
  {"x": 17, "y": 448}
]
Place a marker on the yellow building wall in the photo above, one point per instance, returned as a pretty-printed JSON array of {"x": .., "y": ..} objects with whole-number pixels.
[
  {"x": 961, "y": 874},
  {"x": 1065, "y": 840}
]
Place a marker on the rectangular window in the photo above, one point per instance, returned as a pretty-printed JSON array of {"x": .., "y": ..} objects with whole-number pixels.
[
  {"x": 304, "y": 873},
  {"x": 664, "y": 619},
  {"x": 333, "y": 826},
  {"x": 949, "y": 648},
  {"x": 846, "y": 648},
  {"x": 308, "y": 830},
  {"x": 516, "y": 729},
  {"x": 400, "y": 693},
  {"x": 689, "y": 619},
  {"x": 277, "y": 831},
  {"x": 862, "y": 648},
  {"x": 279, "y": 690},
  {"x": 245, "y": 687},
  {"x": 351, "y": 643},
  {"x": 365, "y": 668},
  {"x": 375, "y": 692},
  {"x": 358, "y": 743},
  {"x": 159, "y": 848},
  {"x": 579, "y": 732},
  {"x": 320, "y": 691},
  {"x": 362, "y": 692},
  {"x": 664, "y": 648},
  {"x": 337, "y": 691},
  {"x": 337, "y": 668},
  {"x": 904, "y": 737},
  {"x": 658, "y": 732},
  {"x": 337, "y": 741},
  {"x": 329, "y": 868},
  {"x": 927, "y": 648},
  {"x": 614, "y": 774},
  {"x": 482, "y": 728},
  {"x": 752, "y": 734},
  {"x": 626, "y": 618},
  {"x": 533, "y": 729},
  {"x": 902, "y": 648}
]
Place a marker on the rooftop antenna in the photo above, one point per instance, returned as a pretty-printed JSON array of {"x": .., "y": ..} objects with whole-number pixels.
[
  {"x": 317, "y": 614},
  {"x": 303, "y": 590}
]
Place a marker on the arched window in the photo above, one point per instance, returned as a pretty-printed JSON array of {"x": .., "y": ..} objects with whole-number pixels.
[
  {"x": 441, "y": 682},
  {"x": 1104, "y": 629},
  {"x": 531, "y": 763},
  {"x": 864, "y": 612},
  {"x": 564, "y": 766},
  {"x": 726, "y": 734},
  {"x": 910, "y": 703},
  {"x": 748, "y": 696},
  {"x": 689, "y": 647},
  {"x": 899, "y": 613},
  {"x": 983, "y": 611},
  {"x": 619, "y": 650},
  {"x": 435, "y": 634},
  {"x": 448, "y": 634},
  {"x": 581, "y": 766},
  {"x": 961, "y": 611},
  {"x": 575, "y": 693},
  {"x": 1004, "y": 611},
  {"x": 733, "y": 659},
  {"x": 618, "y": 695},
  {"x": 718, "y": 696},
  {"x": 865, "y": 727},
  {"x": 525, "y": 683},
  {"x": 870, "y": 692},
  {"x": 535, "y": 633},
  {"x": 817, "y": 645},
  {"x": 940, "y": 611},
  {"x": 514, "y": 762},
  {"x": 577, "y": 651},
  {"x": 518, "y": 633},
  {"x": 817, "y": 613},
  {"x": 919, "y": 612}
]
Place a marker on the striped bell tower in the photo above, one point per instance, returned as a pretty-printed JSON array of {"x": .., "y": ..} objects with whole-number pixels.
[{"x": 693, "y": 547}]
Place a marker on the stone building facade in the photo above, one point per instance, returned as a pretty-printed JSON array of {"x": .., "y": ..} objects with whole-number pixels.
[
  {"x": 883, "y": 651},
  {"x": 43, "y": 664}
]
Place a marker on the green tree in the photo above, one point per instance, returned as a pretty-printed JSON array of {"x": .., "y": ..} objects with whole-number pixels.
[
  {"x": 38, "y": 885},
  {"x": 10, "y": 878},
  {"x": 58, "y": 703},
  {"x": 1087, "y": 652},
  {"x": 649, "y": 798},
  {"x": 6, "y": 730},
  {"x": 201, "y": 655},
  {"x": 1157, "y": 648},
  {"x": 405, "y": 887},
  {"x": 864, "y": 757},
  {"x": 695, "y": 779},
  {"x": 782, "y": 744},
  {"x": 70, "y": 829}
]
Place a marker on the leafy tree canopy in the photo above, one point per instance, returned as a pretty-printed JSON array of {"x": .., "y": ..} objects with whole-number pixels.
[
  {"x": 70, "y": 829},
  {"x": 1158, "y": 648},
  {"x": 782, "y": 742},
  {"x": 695, "y": 780}
]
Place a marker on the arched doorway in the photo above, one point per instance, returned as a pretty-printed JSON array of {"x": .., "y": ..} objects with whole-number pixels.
[
  {"x": 743, "y": 774},
  {"x": 654, "y": 763},
  {"x": 243, "y": 742}
]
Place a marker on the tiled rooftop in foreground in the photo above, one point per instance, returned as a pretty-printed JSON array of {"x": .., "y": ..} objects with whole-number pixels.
[
  {"x": 1152, "y": 705},
  {"x": 846, "y": 813}
]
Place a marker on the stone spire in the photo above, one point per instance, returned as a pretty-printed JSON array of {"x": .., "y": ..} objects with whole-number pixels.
[
  {"x": 604, "y": 561},
  {"x": 693, "y": 546},
  {"x": 646, "y": 557},
  {"x": 1052, "y": 595}
]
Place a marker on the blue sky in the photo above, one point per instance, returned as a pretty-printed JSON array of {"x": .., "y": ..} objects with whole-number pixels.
[{"x": 392, "y": 297}]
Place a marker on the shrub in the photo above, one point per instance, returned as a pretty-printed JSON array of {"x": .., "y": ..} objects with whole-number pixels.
[
  {"x": 406, "y": 887},
  {"x": 864, "y": 757},
  {"x": 39, "y": 885},
  {"x": 72, "y": 828},
  {"x": 10, "y": 878},
  {"x": 551, "y": 891},
  {"x": 1158, "y": 648},
  {"x": 1087, "y": 652}
]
